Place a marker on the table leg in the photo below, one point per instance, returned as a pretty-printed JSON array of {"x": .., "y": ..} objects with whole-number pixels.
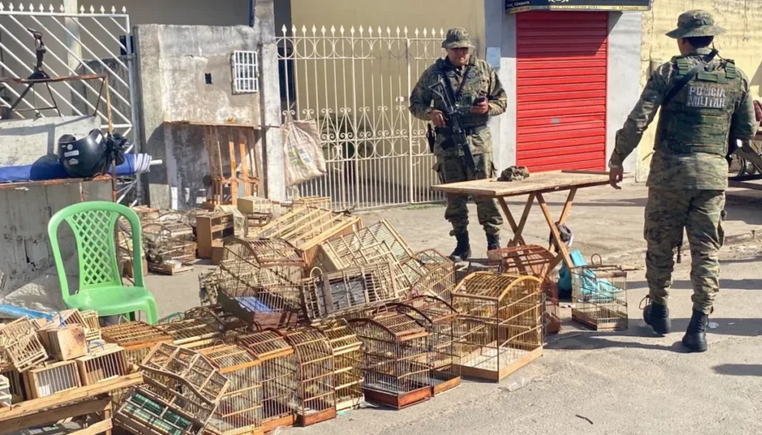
[
  {"x": 517, "y": 238},
  {"x": 564, "y": 254}
]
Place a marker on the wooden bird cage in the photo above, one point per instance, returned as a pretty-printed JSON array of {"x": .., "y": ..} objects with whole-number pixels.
[
  {"x": 267, "y": 252},
  {"x": 215, "y": 314},
  {"x": 262, "y": 297},
  {"x": 190, "y": 366},
  {"x": 396, "y": 361},
  {"x": 6, "y": 398},
  {"x": 316, "y": 394},
  {"x": 102, "y": 363},
  {"x": 146, "y": 412},
  {"x": 484, "y": 265},
  {"x": 323, "y": 202},
  {"x": 500, "y": 324},
  {"x": 188, "y": 331},
  {"x": 347, "y": 366},
  {"x": 533, "y": 260},
  {"x": 16, "y": 382},
  {"x": 60, "y": 319},
  {"x": 332, "y": 294},
  {"x": 169, "y": 243},
  {"x": 50, "y": 379},
  {"x": 440, "y": 319},
  {"x": 242, "y": 163},
  {"x": 307, "y": 227},
  {"x": 66, "y": 342},
  {"x": 434, "y": 274},
  {"x": 279, "y": 381},
  {"x": 22, "y": 344},
  {"x": 92, "y": 325},
  {"x": 240, "y": 408},
  {"x": 599, "y": 294},
  {"x": 137, "y": 339}
]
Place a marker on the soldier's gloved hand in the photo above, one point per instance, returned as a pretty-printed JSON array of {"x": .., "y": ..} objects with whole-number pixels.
[
  {"x": 616, "y": 175},
  {"x": 437, "y": 117},
  {"x": 481, "y": 108}
]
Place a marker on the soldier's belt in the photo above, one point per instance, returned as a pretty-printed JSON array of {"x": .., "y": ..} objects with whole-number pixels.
[{"x": 467, "y": 130}]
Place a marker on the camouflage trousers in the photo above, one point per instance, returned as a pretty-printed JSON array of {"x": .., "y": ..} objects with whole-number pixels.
[
  {"x": 452, "y": 169},
  {"x": 700, "y": 213}
]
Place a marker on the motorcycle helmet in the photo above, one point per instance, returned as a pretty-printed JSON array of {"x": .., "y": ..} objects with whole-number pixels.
[{"x": 85, "y": 157}]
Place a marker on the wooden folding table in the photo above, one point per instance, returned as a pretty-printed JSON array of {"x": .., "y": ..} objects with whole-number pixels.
[{"x": 535, "y": 187}]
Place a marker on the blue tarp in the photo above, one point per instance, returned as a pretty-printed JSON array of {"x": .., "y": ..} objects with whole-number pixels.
[{"x": 51, "y": 169}]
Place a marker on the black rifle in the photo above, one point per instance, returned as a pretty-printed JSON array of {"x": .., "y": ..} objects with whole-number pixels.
[{"x": 454, "y": 122}]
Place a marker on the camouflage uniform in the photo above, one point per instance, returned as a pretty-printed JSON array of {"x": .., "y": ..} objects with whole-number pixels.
[
  {"x": 689, "y": 171},
  {"x": 480, "y": 80}
]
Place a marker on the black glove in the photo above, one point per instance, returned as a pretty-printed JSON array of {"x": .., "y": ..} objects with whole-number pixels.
[{"x": 116, "y": 145}]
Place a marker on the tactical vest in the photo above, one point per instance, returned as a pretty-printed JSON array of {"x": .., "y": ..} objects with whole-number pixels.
[
  {"x": 474, "y": 86},
  {"x": 697, "y": 119}
]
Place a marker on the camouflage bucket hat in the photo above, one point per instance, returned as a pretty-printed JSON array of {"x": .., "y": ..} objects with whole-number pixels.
[
  {"x": 457, "y": 38},
  {"x": 695, "y": 23}
]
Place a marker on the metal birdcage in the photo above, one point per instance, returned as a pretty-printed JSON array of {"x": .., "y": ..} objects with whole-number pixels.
[
  {"x": 440, "y": 319},
  {"x": 435, "y": 274},
  {"x": 599, "y": 294},
  {"x": 265, "y": 297},
  {"x": 500, "y": 324},
  {"x": 347, "y": 367},
  {"x": 333, "y": 294},
  {"x": 165, "y": 242},
  {"x": 316, "y": 394},
  {"x": 396, "y": 360},
  {"x": 240, "y": 408},
  {"x": 533, "y": 260},
  {"x": 137, "y": 338},
  {"x": 279, "y": 381}
]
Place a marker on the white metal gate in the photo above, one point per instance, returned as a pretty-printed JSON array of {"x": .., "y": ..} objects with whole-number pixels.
[
  {"x": 82, "y": 42},
  {"x": 356, "y": 85}
]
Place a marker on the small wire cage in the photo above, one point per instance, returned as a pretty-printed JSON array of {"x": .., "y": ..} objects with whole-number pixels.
[
  {"x": 396, "y": 360},
  {"x": 51, "y": 379},
  {"x": 599, "y": 294},
  {"x": 137, "y": 338},
  {"x": 265, "y": 297},
  {"x": 332, "y": 294},
  {"x": 279, "y": 381},
  {"x": 437, "y": 277},
  {"x": 240, "y": 409},
  {"x": 500, "y": 325},
  {"x": 533, "y": 260},
  {"x": 316, "y": 394},
  {"x": 169, "y": 242},
  {"x": 102, "y": 363},
  {"x": 22, "y": 344},
  {"x": 440, "y": 319},
  {"x": 347, "y": 366},
  {"x": 189, "y": 331}
]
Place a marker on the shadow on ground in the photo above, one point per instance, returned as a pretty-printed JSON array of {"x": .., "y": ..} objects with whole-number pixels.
[{"x": 739, "y": 369}]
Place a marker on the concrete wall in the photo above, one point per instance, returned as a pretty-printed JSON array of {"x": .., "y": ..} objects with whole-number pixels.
[
  {"x": 742, "y": 21},
  {"x": 24, "y": 141},
  {"x": 173, "y": 62}
]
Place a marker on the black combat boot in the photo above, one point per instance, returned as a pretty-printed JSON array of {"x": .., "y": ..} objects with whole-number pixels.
[
  {"x": 493, "y": 242},
  {"x": 695, "y": 336},
  {"x": 463, "y": 251},
  {"x": 657, "y": 316}
]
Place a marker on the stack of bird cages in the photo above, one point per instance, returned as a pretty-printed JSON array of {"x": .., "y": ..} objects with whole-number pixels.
[
  {"x": 533, "y": 260},
  {"x": 137, "y": 338},
  {"x": 332, "y": 294},
  {"x": 60, "y": 319},
  {"x": 22, "y": 344},
  {"x": 278, "y": 368},
  {"x": 166, "y": 242},
  {"x": 192, "y": 333},
  {"x": 440, "y": 319},
  {"x": 102, "y": 363},
  {"x": 347, "y": 365},
  {"x": 308, "y": 227},
  {"x": 240, "y": 408},
  {"x": 44, "y": 381},
  {"x": 261, "y": 297},
  {"x": 435, "y": 274},
  {"x": 396, "y": 361},
  {"x": 599, "y": 294},
  {"x": 500, "y": 325},
  {"x": 316, "y": 394}
]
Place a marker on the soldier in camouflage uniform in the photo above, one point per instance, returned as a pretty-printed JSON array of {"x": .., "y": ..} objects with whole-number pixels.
[
  {"x": 475, "y": 85},
  {"x": 688, "y": 171}
]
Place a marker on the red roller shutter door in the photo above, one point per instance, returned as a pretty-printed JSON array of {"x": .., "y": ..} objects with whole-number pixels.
[{"x": 561, "y": 90}]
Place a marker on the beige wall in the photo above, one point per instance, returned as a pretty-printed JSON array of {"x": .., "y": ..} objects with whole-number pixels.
[
  {"x": 742, "y": 21},
  {"x": 441, "y": 14}
]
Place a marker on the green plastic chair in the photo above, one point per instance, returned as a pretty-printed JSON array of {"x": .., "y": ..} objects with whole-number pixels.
[{"x": 100, "y": 284}]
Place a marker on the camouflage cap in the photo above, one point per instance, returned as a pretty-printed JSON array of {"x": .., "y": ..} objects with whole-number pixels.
[
  {"x": 457, "y": 38},
  {"x": 695, "y": 23}
]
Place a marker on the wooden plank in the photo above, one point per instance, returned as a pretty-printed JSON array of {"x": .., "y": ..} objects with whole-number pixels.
[
  {"x": 37, "y": 418},
  {"x": 554, "y": 229},
  {"x": 102, "y": 426},
  {"x": 537, "y": 183},
  {"x": 34, "y": 406}
]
